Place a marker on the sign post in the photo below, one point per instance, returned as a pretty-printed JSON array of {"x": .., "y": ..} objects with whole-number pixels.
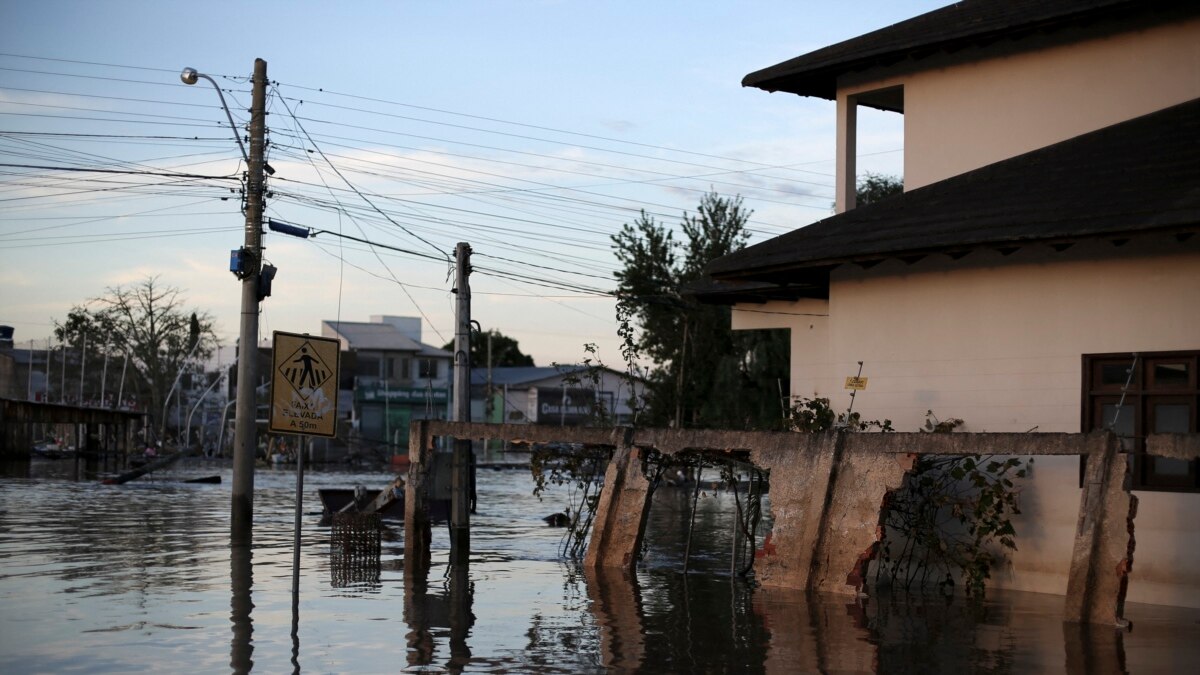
[{"x": 304, "y": 388}]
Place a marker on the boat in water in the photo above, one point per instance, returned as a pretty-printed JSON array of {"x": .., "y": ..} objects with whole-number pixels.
[{"x": 52, "y": 449}]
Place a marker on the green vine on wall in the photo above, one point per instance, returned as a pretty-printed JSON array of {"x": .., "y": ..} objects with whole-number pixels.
[
  {"x": 951, "y": 517},
  {"x": 815, "y": 415}
]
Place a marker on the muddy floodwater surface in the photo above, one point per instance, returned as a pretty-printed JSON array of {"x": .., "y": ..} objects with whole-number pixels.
[{"x": 141, "y": 578}]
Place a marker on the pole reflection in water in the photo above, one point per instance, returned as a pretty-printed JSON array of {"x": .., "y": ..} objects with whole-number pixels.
[
  {"x": 616, "y": 603},
  {"x": 1098, "y": 650},
  {"x": 241, "y": 577},
  {"x": 296, "y": 632},
  {"x": 430, "y": 616},
  {"x": 419, "y": 638},
  {"x": 461, "y": 617}
]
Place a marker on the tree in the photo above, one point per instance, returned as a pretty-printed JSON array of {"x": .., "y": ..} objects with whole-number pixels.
[
  {"x": 505, "y": 350},
  {"x": 705, "y": 374},
  {"x": 147, "y": 323},
  {"x": 874, "y": 187}
]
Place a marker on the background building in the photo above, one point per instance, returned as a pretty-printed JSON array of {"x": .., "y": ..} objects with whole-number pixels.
[
  {"x": 555, "y": 396},
  {"x": 389, "y": 377}
]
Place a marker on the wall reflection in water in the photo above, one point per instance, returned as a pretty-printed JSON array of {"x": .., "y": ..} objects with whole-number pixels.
[
  {"x": 681, "y": 624},
  {"x": 671, "y": 622}
]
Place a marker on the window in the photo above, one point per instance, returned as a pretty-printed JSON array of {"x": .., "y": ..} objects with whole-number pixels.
[
  {"x": 368, "y": 365},
  {"x": 396, "y": 368},
  {"x": 427, "y": 369},
  {"x": 1155, "y": 392}
]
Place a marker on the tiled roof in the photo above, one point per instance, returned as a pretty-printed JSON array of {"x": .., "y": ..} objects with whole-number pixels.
[
  {"x": 375, "y": 336},
  {"x": 518, "y": 375},
  {"x": 951, "y": 29},
  {"x": 1138, "y": 177}
]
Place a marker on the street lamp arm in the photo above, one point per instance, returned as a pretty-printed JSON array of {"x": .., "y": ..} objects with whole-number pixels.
[
  {"x": 190, "y": 76},
  {"x": 187, "y": 435},
  {"x": 178, "y": 375}
]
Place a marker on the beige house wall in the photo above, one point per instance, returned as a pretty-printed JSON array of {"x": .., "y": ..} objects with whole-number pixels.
[
  {"x": 964, "y": 116},
  {"x": 997, "y": 341}
]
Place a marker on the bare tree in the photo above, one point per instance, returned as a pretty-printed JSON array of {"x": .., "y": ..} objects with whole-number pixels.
[{"x": 148, "y": 323}]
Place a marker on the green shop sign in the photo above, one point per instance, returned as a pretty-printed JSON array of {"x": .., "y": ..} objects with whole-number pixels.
[{"x": 380, "y": 394}]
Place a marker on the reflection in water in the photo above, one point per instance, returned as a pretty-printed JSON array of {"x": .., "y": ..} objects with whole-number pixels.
[
  {"x": 461, "y": 618},
  {"x": 418, "y": 615},
  {"x": 617, "y": 605},
  {"x": 241, "y": 576},
  {"x": 143, "y": 578},
  {"x": 295, "y": 632},
  {"x": 1094, "y": 650},
  {"x": 694, "y": 624},
  {"x": 429, "y": 614}
]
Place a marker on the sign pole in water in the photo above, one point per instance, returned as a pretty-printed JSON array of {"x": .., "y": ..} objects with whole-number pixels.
[{"x": 304, "y": 387}]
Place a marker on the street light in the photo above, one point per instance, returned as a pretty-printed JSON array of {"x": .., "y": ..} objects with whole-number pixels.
[
  {"x": 242, "y": 513},
  {"x": 191, "y": 76}
]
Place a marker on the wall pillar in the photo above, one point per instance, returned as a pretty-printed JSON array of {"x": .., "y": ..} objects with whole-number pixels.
[
  {"x": 1103, "y": 553},
  {"x": 620, "y": 518},
  {"x": 417, "y": 531},
  {"x": 846, "y": 171},
  {"x": 801, "y": 478}
]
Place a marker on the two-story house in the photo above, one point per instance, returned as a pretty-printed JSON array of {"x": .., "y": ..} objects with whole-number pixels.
[
  {"x": 389, "y": 377},
  {"x": 1041, "y": 271}
]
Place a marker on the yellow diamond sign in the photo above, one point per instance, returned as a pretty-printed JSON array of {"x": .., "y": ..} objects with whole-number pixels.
[{"x": 304, "y": 382}]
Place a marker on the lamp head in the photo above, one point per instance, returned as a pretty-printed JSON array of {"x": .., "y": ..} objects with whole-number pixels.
[{"x": 189, "y": 76}]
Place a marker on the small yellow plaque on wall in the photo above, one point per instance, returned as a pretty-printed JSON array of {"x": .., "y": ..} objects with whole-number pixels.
[{"x": 856, "y": 383}]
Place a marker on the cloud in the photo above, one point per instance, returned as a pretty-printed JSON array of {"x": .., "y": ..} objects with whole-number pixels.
[{"x": 619, "y": 126}]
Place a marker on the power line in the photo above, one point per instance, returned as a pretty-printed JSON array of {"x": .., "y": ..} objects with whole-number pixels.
[
  {"x": 119, "y": 171},
  {"x": 530, "y": 126},
  {"x": 351, "y": 185}
]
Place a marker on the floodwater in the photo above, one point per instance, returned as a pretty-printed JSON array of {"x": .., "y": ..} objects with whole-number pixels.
[{"x": 140, "y": 578}]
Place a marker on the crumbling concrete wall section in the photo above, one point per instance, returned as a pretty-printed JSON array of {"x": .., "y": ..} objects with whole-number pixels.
[
  {"x": 621, "y": 512},
  {"x": 828, "y": 497},
  {"x": 1103, "y": 554},
  {"x": 801, "y": 477}
]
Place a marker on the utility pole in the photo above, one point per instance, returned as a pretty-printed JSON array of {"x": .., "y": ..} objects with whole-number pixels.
[
  {"x": 82, "y": 366},
  {"x": 460, "y": 481},
  {"x": 245, "y": 436},
  {"x": 488, "y": 405}
]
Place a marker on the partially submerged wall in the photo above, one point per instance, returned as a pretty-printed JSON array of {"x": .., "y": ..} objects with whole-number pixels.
[{"x": 828, "y": 494}]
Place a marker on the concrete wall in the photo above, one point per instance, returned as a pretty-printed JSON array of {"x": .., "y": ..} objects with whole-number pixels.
[
  {"x": 963, "y": 116},
  {"x": 997, "y": 341}
]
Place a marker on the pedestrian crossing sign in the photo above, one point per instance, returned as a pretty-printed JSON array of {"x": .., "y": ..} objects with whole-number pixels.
[{"x": 304, "y": 384}]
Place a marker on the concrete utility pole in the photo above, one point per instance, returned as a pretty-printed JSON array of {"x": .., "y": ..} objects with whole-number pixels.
[
  {"x": 245, "y": 436},
  {"x": 460, "y": 482}
]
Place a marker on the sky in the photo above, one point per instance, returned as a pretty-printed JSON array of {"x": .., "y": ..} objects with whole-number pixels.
[{"x": 531, "y": 130}]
